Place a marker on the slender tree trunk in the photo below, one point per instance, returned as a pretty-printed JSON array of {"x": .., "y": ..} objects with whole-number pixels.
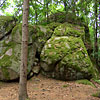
[
  {"x": 73, "y": 6},
  {"x": 96, "y": 28},
  {"x": 99, "y": 34},
  {"x": 65, "y": 6},
  {"x": 45, "y": 7},
  {"x": 47, "y": 11},
  {"x": 99, "y": 17},
  {"x": 24, "y": 53},
  {"x": 36, "y": 15}
]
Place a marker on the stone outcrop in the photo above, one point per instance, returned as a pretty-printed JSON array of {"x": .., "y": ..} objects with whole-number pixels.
[
  {"x": 64, "y": 55},
  {"x": 57, "y": 50},
  {"x": 10, "y": 50},
  {"x": 66, "y": 58}
]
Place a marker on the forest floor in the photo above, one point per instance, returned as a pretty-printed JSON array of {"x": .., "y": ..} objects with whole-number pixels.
[{"x": 42, "y": 88}]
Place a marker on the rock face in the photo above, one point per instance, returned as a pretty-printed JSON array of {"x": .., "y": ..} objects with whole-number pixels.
[
  {"x": 10, "y": 55},
  {"x": 57, "y": 49},
  {"x": 64, "y": 56},
  {"x": 6, "y": 25},
  {"x": 67, "y": 29},
  {"x": 10, "y": 50}
]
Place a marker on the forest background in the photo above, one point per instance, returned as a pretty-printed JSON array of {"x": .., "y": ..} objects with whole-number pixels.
[
  {"x": 40, "y": 10},
  {"x": 87, "y": 10}
]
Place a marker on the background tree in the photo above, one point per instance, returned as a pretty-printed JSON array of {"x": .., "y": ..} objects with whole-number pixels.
[{"x": 96, "y": 28}]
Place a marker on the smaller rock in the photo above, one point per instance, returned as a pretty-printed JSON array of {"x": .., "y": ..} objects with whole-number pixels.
[
  {"x": 9, "y": 52},
  {"x": 36, "y": 69}
]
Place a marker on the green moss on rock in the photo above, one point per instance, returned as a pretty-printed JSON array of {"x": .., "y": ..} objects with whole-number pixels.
[
  {"x": 66, "y": 58},
  {"x": 85, "y": 82},
  {"x": 5, "y": 73},
  {"x": 55, "y": 49},
  {"x": 97, "y": 94},
  {"x": 53, "y": 25},
  {"x": 6, "y": 25},
  {"x": 17, "y": 33},
  {"x": 5, "y": 61},
  {"x": 10, "y": 49},
  {"x": 67, "y": 29}
]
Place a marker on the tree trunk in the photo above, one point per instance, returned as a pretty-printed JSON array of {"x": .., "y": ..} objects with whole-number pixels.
[
  {"x": 65, "y": 6},
  {"x": 24, "y": 53},
  {"x": 96, "y": 28},
  {"x": 47, "y": 11},
  {"x": 36, "y": 15},
  {"x": 99, "y": 35}
]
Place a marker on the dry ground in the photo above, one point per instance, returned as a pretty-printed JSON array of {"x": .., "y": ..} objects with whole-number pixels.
[{"x": 41, "y": 88}]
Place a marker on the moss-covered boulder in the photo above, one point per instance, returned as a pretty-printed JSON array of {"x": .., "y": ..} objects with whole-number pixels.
[
  {"x": 70, "y": 17},
  {"x": 57, "y": 47},
  {"x": 53, "y": 25},
  {"x": 42, "y": 34},
  {"x": 67, "y": 29},
  {"x": 66, "y": 58},
  {"x": 6, "y": 25},
  {"x": 10, "y": 61},
  {"x": 10, "y": 53}
]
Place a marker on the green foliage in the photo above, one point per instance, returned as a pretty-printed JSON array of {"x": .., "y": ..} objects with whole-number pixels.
[
  {"x": 5, "y": 61},
  {"x": 66, "y": 85},
  {"x": 97, "y": 81},
  {"x": 96, "y": 94},
  {"x": 85, "y": 82},
  {"x": 40, "y": 8},
  {"x": 28, "y": 99},
  {"x": 69, "y": 30}
]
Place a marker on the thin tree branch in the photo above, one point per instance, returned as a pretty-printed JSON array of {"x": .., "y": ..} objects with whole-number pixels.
[
  {"x": 38, "y": 2},
  {"x": 3, "y": 3}
]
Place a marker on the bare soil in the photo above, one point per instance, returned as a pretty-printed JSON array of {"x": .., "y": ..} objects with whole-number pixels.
[{"x": 42, "y": 88}]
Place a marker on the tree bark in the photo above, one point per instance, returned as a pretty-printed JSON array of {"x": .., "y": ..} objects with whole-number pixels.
[
  {"x": 24, "y": 53},
  {"x": 47, "y": 11},
  {"x": 96, "y": 28},
  {"x": 65, "y": 6},
  {"x": 99, "y": 35}
]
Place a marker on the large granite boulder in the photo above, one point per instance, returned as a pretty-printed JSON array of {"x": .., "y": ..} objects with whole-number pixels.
[
  {"x": 65, "y": 57},
  {"x": 67, "y": 29},
  {"x": 10, "y": 50},
  {"x": 58, "y": 48},
  {"x": 10, "y": 54},
  {"x": 70, "y": 17}
]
